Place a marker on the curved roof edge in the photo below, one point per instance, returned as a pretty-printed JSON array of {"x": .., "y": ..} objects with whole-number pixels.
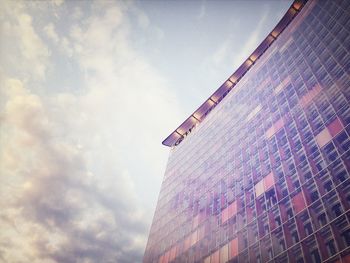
[{"x": 185, "y": 128}]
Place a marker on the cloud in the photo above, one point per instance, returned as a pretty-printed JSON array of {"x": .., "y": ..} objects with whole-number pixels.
[
  {"x": 58, "y": 2},
  {"x": 29, "y": 53},
  {"x": 232, "y": 52},
  {"x": 63, "y": 213},
  {"x": 77, "y": 13},
  {"x": 253, "y": 40},
  {"x": 62, "y": 44},
  {"x": 51, "y": 32},
  {"x": 202, "y": 10},
  {"x": 143, "y": 20},
  {"x": 77, "y": 168},
  {"x": 221, "y": 54}
]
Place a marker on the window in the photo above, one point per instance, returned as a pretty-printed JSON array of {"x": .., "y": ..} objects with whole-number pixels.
[
  {"x": 346, "y": 237},
  {"x": 269, "y": 251},
  {"x": 296, "y": 184},
  {"x": 330, "y": 152},
  {"x": 343, "y": 142},
  {"x": 331, "y": 247},
  {"x": 298, "y": 202},
  {"x": 322, "y": 219},
  {"x": 295, "y": 237},
  {"x": 315, "y": 256},
  {"x": 314, "y": 196},
  {"x": 337, "y": 209},
  {"x": 245, "y": 241},
  {"x": 278, "y": 221},
  {"x": 341, "y": 176},
  {"x": 328, "y": 186},
  {"x": 282, "y": 245},
  {"x": 320, "y": 165},
  {"x": 308, "y": 175},
  {"x": 308, "y": 228},
  {"x": 234, "y": 247},
  {"x": 323, "y": 137}
]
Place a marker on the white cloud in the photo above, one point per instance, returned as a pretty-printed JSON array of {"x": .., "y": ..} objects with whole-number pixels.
[
  {"x": 23, "y": 51},
  {"x": 50, "y": 31},
  {"x": 66, "y": 47},
  {"x": 77, "y": 13},
  {"x": 77, "y": 168},
  {"x": 252, "y": 42},
  {"x": 47, "y": 189},
  {"x": 223, "y": 52},
  {"x": 143, "y": 20},
  {"x": 57, "y": 2},
  {"x": 232, "y": 52},
  {"x": 202, "y": 11}
]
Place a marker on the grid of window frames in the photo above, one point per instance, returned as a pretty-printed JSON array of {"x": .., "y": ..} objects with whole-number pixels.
[{"x": 265, "y": 176}]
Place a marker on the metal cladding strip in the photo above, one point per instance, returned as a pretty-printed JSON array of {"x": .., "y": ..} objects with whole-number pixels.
[{"x": 177, "y": 136}]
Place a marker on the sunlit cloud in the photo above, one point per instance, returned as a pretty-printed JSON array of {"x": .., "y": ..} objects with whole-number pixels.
[{"x": 68, "y": 194}]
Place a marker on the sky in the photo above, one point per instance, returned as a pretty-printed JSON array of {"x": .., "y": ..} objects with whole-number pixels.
[{"x": 88, "y": 91}]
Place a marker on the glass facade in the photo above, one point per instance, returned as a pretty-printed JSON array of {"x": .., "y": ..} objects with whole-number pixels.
[{"x": 265, "y": 176}]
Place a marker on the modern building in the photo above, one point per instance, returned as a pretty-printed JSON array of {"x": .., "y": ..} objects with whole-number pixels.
[{"x": 260, "y": 172}]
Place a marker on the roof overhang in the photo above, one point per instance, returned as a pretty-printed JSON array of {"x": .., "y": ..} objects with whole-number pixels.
[{"x": 185, "y": 128}]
